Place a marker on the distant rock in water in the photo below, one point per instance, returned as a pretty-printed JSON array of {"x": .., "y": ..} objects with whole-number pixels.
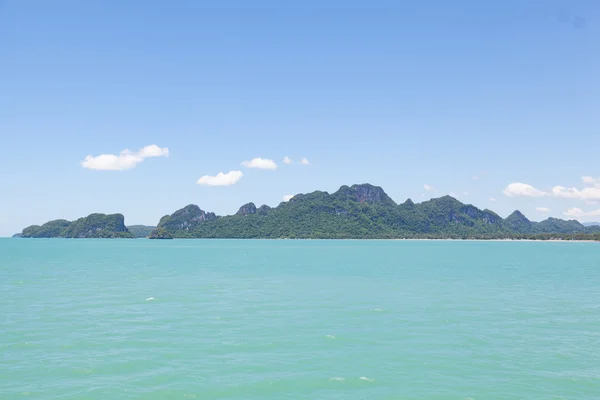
[
  {"x": 92, "y": 226},
  {"x": 17, "y": 235}
]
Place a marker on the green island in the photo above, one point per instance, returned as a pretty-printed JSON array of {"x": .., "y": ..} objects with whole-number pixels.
[
  {"x": 353, "y": 212},
  {"x": 92, "y": 226}
]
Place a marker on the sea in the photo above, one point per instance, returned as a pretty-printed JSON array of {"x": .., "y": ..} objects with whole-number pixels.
[{"x": 299, "y": 319}]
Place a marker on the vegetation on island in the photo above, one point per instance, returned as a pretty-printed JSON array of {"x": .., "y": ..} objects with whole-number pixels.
[
  {"x": 140, "y": 231},
  {"x": 92, "y": 226},
  {"x": 366, "y": 212},
  {"x": 160, "y": 233},
  {"x": 353, "y": 212}
]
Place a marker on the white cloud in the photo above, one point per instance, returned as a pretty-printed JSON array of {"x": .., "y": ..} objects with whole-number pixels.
[
  {"x": 492, "y": 199},
  {"x": 287, "y": 160},
  {"x": 304, "y": 161},
  {"x": 590, "y": 180},
  {"x": 153, "y": 151},
  {"x": 287, "y": 197},
  {"x": 578, "y": 212},
  {"x": 427, "y": 187},
  {"x": 542, "y": 209},
  {"x": 125, "y": 160},
  {"x": 466, "y": 193},
  {"x": 518, "y": 189},
  {"x": 260, "y": 163},
  {"x": 588, "y": 193},
  {"x": 221, "y": 179}
]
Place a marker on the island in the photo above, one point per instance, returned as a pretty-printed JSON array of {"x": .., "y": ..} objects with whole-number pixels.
[
  {"x": 92, "y": 226},
  {"x": 360, "y": 211},
  {"x": 365, "y": 211}
]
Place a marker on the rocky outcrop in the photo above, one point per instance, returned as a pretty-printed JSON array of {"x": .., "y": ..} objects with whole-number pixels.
[
  {"x": 247, "y": 209},
  {"x": 365, "y": 193},
  {"x": 186, "y": 218}
]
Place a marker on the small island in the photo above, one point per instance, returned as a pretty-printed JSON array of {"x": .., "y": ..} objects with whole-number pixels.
[{"x": 92, "y": 226}]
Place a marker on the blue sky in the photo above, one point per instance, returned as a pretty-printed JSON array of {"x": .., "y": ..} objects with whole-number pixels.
[{"x": 398, "y": 94}]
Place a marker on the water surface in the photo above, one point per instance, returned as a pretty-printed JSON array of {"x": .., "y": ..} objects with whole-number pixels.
[{"x": 233, "y": 319}]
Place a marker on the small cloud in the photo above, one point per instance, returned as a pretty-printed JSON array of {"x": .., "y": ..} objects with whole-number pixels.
[
  {"x": 518, "y": 189},
  {"x": 287, "y": 160},
  {"x": 590, "y": 180},
  {"x": 587, "y": 193},
  {"x": 304, "y": 161},
  {"x": 221, "y": 179},
  {"x": 542, "y": 210},
  {"x": 466, "y": 193},
  {"x": 492, "y": 199},
  {"x": 578, "y": 213},
  {"x": 125, "y": 160},
  {"x": 260, "y": 163},
  {"x": 287, "y": 197},
  {"x": 427, "y": 187}
]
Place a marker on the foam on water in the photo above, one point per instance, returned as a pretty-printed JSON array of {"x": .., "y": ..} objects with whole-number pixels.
[
  {"x": 337, "y": 378},
  {"x": 364, "y": 378}
]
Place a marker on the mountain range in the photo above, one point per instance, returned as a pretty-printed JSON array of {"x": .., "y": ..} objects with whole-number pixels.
[
  {"x": 357, "y": 212},
  {"x": 353, "y": 212}
]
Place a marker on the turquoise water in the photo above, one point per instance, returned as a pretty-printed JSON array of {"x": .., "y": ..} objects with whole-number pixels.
[{"x": 218, "y": 319}]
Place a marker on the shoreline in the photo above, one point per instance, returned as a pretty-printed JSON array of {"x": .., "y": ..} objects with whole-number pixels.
[{"x": 346, "y": 239}]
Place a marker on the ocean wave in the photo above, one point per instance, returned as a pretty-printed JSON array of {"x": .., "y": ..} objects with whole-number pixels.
[
  {"x": 364, "y": 378},
  {"x": 330, "y": 336},
  {"x": 337, "y": 378}
]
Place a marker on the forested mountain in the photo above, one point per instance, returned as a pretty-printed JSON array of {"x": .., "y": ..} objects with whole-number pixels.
[
  {"x": 359, "y": 211},
  {"x": 353, "y": 212},
  {"x": 92, "y": 226}
]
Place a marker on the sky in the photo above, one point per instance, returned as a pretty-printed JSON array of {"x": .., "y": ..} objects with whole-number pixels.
[{"x": 143, "y": 107}]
